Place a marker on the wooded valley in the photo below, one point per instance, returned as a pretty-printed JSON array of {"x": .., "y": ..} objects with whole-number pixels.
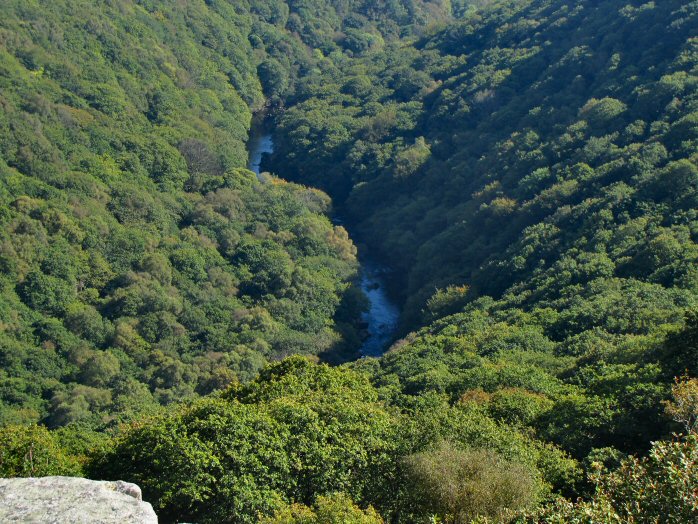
[{"x": 526, "y": 169}]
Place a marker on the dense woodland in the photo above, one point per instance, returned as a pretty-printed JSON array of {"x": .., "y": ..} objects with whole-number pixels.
[
  {"x": 527, "y": 168},
  {"x": 140, "y": 264}
]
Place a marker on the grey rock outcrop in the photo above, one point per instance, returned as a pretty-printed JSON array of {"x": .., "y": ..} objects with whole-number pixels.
[{"x": 59, "y": 500}]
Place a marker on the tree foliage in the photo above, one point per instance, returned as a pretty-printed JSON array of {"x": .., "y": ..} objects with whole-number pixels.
[{"x": 527, "y": 169}]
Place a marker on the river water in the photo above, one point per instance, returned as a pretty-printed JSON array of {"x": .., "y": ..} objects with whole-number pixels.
[
  {"x": 260, "y": 143},
  {"x": 383, "y": 315}
]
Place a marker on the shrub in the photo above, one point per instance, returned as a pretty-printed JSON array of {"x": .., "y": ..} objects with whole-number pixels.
[
  {"x": 460, "y": 485},
  {"x": 32, "y": 451}
]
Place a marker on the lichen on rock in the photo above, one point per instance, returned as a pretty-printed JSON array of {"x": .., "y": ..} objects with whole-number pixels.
[{"x": 75, "y": 500}]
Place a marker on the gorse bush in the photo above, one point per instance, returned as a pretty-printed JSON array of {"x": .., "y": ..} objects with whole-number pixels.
[
  {"x": 337, "y": 508},
  {"x": 461, "y": 485}
]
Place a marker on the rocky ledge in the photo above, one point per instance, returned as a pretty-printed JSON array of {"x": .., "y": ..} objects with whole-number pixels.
[{"x": 75, "y": 500}]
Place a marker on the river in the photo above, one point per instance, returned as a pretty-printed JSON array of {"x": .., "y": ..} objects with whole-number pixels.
[
  {"x": 261, "y": 143},
  {"x": 383, "y": 315}
]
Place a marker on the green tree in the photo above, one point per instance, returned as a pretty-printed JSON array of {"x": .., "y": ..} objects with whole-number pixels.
[
  {"x": 33, "y": 451},
  {"x": 299, "y": 431},
  {"x": 660, "y": 487},
  {"x": 46, "y": 293}
]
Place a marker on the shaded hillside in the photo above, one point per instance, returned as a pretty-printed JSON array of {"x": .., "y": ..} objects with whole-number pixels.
[{"x": 531, "y": 139}]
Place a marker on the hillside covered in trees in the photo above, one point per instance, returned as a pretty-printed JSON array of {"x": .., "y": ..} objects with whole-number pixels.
[
  {"x": 140, "y": 264},
  {"x": 528, "y": 169}
]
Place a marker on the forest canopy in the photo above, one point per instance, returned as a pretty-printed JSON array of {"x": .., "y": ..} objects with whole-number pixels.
[{"x": 526, "y": 169}]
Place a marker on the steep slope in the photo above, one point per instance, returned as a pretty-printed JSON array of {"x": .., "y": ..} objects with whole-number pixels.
[
  {"x": 140, "y": 264},
  {"x": 530, "y": 173},
  {"x": 492, "y": 152}
]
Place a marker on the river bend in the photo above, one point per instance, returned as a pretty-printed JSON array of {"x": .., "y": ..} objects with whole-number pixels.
[{"x": 383, "y": 314}]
